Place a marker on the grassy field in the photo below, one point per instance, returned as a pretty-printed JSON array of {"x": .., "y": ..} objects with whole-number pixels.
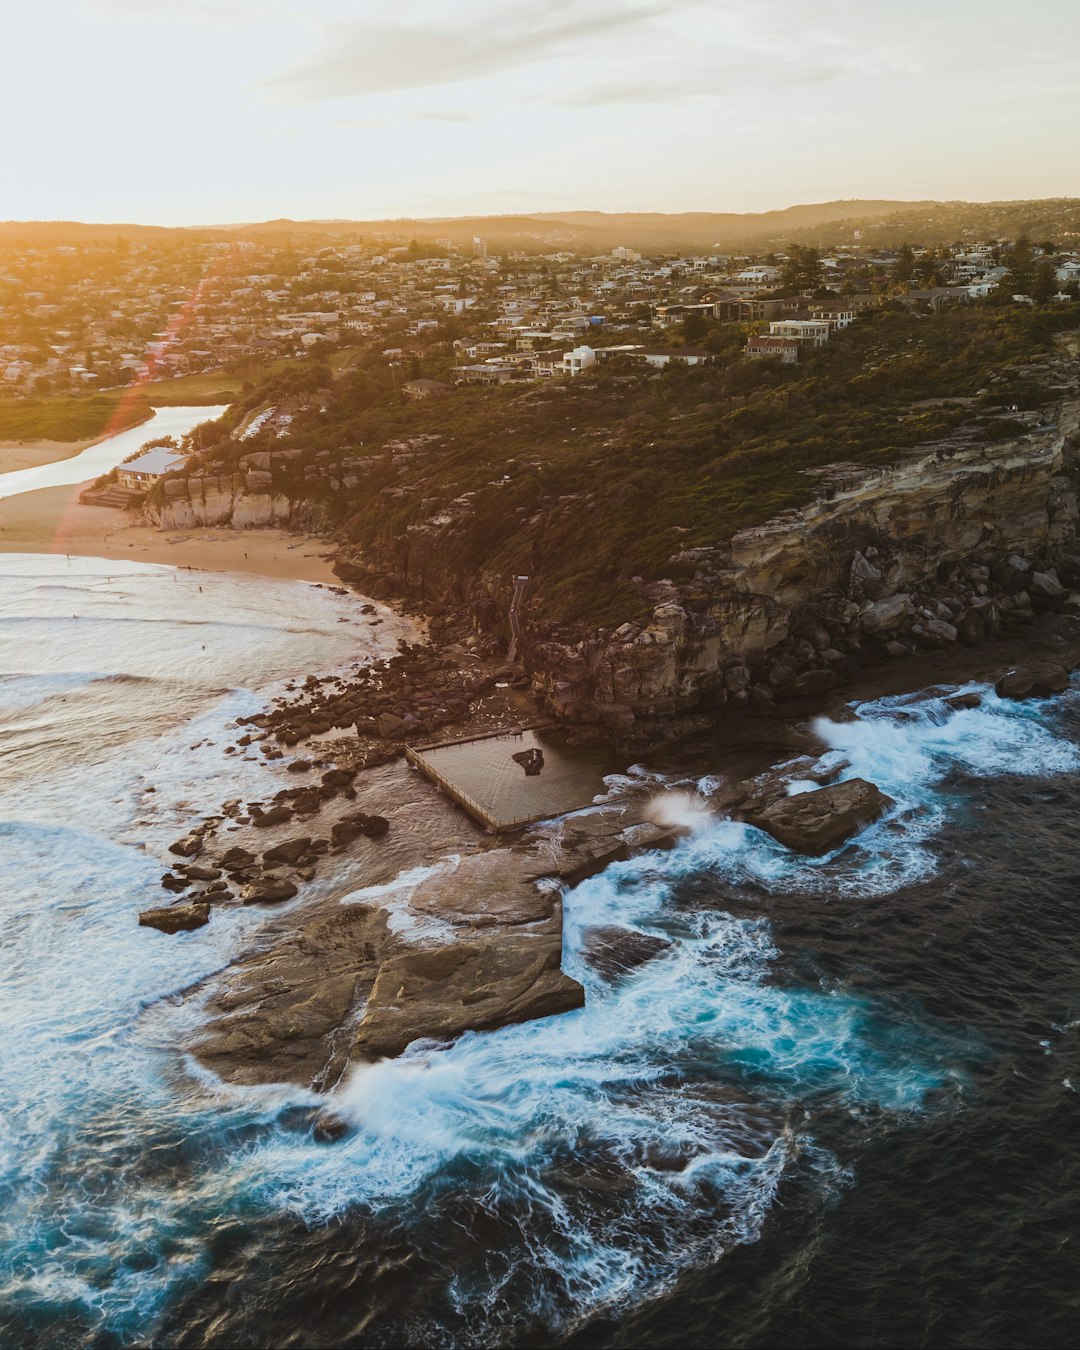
[
  {"x": 54, "y": 418},
  {"x": 214, "y": 386},
  {"x": 224, "y": 386}
]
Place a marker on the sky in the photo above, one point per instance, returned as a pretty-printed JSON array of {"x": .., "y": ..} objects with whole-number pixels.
[{"x": 213, "y": 111}]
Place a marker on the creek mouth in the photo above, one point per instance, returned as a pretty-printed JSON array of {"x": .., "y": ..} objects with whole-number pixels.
[{"x": 801, "y": 1086}]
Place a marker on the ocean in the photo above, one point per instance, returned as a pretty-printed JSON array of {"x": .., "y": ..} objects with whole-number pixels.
[{"x": 839, "y": 1109}]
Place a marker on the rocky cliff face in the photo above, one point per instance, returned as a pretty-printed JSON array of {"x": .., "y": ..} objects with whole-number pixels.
[
  {"x": 239, "y": 499},
  {"x": 953, "y": 543},
  {"x": 884, "y": 561},
  {"x": 261, "y": 491}
]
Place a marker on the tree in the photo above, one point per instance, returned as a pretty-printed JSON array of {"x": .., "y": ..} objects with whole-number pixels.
[
  {"x": 1020, "y": 260},
  {"x": 802, "y": 270},
  {"x": 903, "y": 269},
  {"x": 928, "y": 270},
  {"x": 1044, "y": 282},
  {"x": 694, "y": 326}
]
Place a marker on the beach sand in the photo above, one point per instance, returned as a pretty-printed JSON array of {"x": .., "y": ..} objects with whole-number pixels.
[
  {"x": 52, "y": 521},
  {"x": 32, "y": 454}
]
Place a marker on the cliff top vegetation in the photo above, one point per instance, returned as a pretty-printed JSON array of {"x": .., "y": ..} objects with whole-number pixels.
[{"x": 589, "y": 483}]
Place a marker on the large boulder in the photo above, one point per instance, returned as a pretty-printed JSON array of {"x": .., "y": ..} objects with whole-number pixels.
[
  {"x": 1012, "y": 574},
  {"x": 1045, "y": 589},
  {"x": 884, "y": 615},
  {"x": 971, "y": 626},
  {"x": 1035, "y": 681},
  {"x": 290, "y": 851},
  {"x": 188, "y": 847},
  {"x": 176, "y": 918},
  {"x": 475, "y": 985},
  {"x": 817, "y": 822},
  {"x": 613, "y": 951},
  {"x": 277, "y": 815},
  {"x": 268, "y": 891}
]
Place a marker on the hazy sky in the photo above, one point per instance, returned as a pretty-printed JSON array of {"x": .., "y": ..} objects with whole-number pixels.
[{"x": 187, "y": 111}]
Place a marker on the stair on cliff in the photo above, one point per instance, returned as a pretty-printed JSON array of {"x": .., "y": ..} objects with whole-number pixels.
[{"x": 114, "y": 496}]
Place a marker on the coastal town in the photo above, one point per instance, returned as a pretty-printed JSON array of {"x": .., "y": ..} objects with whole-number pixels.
[{"x": 97, "y": 316}]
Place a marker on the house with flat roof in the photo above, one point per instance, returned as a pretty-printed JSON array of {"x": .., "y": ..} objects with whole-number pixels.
[{"x": 142, "y": 472}]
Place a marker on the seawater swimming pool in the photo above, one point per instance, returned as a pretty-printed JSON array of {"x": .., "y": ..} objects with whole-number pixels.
[{"x": 483, "y": 777}]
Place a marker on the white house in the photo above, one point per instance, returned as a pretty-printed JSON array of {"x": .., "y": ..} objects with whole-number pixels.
[
  {"x": 581, "y": 358},
  {"x": 144, "y": 470},
  {"x": 807, "y": 332}
]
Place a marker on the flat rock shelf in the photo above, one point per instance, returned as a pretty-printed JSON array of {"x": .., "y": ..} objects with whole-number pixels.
[{"x": 481, "y": 774}]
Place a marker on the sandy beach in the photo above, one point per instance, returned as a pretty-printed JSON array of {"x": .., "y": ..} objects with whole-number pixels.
[
  {"x": 52, "y": 521},
  {"x": 32, "y": 454}
]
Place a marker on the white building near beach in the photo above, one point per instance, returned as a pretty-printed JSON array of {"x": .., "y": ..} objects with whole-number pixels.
[{"x": 144, "y": 470}]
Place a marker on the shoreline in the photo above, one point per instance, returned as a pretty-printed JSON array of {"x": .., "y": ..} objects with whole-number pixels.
[
  {"x": 16, "y": 455},
  {"x": 51, "y": 520},
  {"x": 34, "y": 454},
  {"x": 492, "y": 892}
]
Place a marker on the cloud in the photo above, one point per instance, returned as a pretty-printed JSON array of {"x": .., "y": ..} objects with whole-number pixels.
[{"x": 373, "y": 58}]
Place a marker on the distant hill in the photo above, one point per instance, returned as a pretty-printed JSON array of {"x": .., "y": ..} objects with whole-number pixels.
[{"x": 828, "y": 224}]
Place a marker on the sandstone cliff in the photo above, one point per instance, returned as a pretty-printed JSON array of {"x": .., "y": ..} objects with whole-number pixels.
[{"x": 911, "y": 555}]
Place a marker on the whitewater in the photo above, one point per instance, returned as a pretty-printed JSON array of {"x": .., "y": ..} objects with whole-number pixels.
[{"x": 566, "y": 1178}]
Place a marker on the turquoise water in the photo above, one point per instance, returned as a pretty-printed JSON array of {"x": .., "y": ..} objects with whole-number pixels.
[{"x": 549, "y": 1180}]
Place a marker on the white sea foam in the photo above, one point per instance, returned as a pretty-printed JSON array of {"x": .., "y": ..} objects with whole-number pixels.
[{"x": 622, "y": 1143}]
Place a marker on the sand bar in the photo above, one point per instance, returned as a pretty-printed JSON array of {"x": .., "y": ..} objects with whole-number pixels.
[{"x": 15, "y": 455}]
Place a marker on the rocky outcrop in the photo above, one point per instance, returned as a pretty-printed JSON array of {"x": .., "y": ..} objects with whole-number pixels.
[
  {"x": 482, "y": 948},
  {"x": 176, "y": 918},
  {"x": 242, "y": 500},
  {"x": 818, "y": 821},
  {"x": 949, "y": 545},
  {"x": 887, "y": 561},
  {"x": 1039, "y": 680},
  {"x": 615, "y": 952}
]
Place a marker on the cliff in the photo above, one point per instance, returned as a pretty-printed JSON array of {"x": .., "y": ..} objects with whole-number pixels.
[
  {"x": 952, "y": 517},
  {"x": 882, "y": 563}
]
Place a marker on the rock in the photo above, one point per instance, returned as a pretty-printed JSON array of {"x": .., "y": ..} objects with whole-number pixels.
[
  {"x": 894, "y": 648},
  {"x": 274, "y": 1013},
  {"x": 236, "y": 857},
  {"x": 958, "y": 702},
  {"x": 298, "y": 765},
  {"x": 938, "y": 628},
  {"x": 1045, "y": 589},
  {"x": 389, "y": 726},
  {"x": 197, "y": 873},
  {"x": 290, "y": 851},
  {"x": 737, "y": 679},
  {"x": 532, "y": 761},
  {"x": 375, "y": 826},
  {"x": 614, "y": 951},
  {"x": 1035, "y": 681},
  {"x": 1012, "y": 573},
  {"x": 277, "y": 815},
  {"x": 885, "y": 614},
  {"x": 971, "y": 626},
  {"x": 176, "y": 918},
  {"x": 338, "y": 778},
  {"x": 188, "y": 847},
  {"x": 268, "y": 891},
  {"x": 475, "y": 985},
  {"x": 328, "y": 1128},
  {"x": 175, "y": 884},
  {"x": 345, "y": 831},
  {"x": 810, "y": 683},
  {"x": 817, "y": 822}
]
